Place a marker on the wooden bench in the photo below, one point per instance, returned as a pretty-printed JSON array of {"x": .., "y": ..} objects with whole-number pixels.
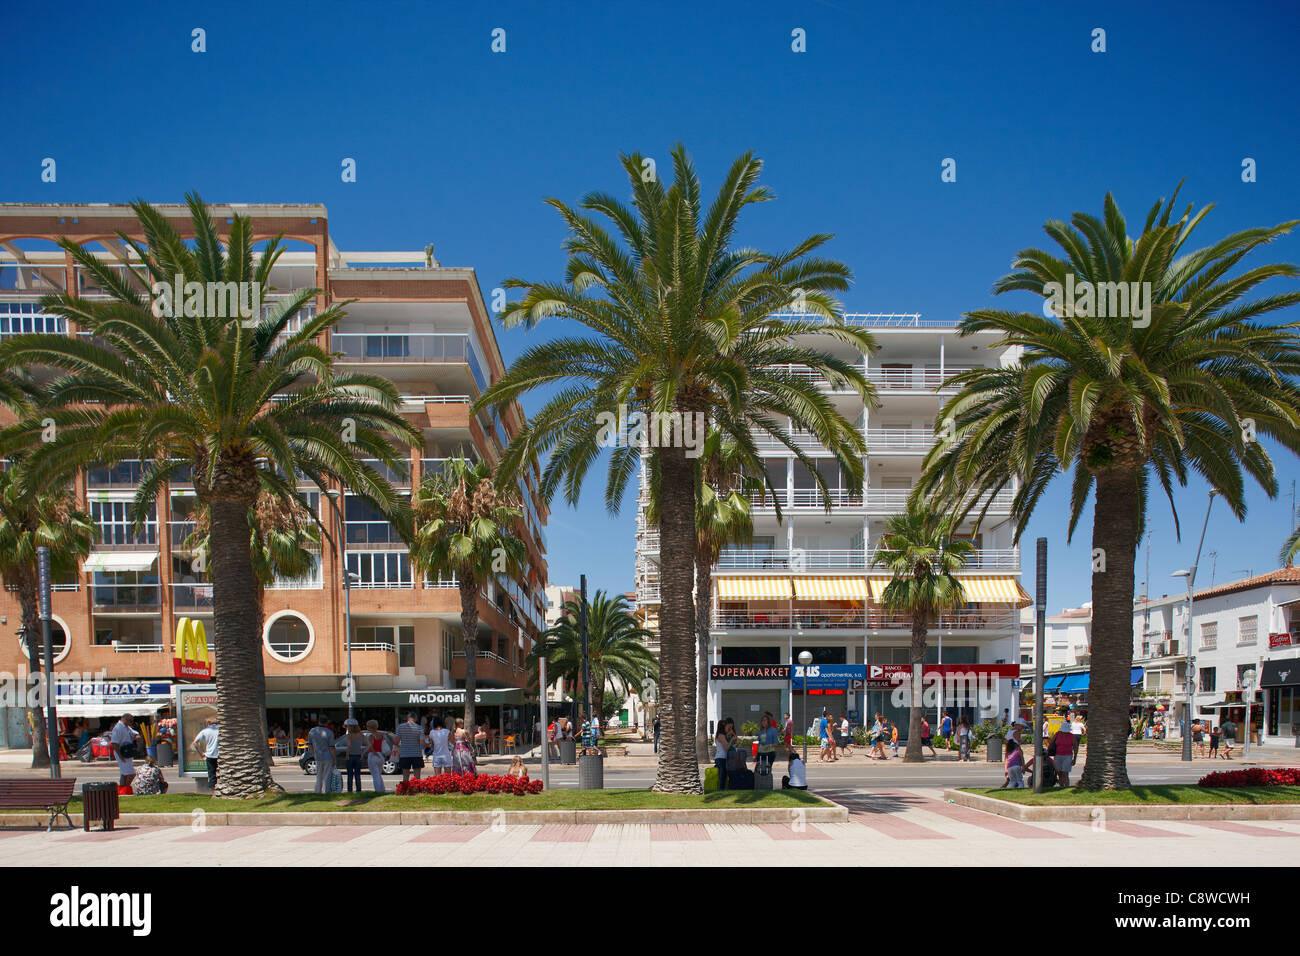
[{"x": 50, "y": 795}]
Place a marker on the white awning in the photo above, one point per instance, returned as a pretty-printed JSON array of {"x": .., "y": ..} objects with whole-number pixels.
[
  {"x": 120, "y": 560},
  {"x": 117, "y": 708}
]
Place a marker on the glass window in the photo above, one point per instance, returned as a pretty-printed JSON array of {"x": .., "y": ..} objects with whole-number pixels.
[
  {"x": 288, "y": 637},
  {"x": 1246, "y": 628},
  {"x": 1207, "y": 678},
  {"x": 406, "y": 646},
  {"x": 113, "y": 521}
]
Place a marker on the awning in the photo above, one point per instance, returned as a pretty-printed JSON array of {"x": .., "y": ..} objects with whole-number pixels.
[
  {"x": 1050, "y": 684},
  {"x": 114, "y": 708},
  {"x": 1280, "y": 673},
  {"x": 995, "y": 590},
  {"x": 1079, "y": 683},
  {"x": 1073, "y": 684},
  {"x": 876, "y": 587},
  {"x": 831, "y": 588},
  {"x": 120, "y": 560},
  {"x": 754, "y": 588}
]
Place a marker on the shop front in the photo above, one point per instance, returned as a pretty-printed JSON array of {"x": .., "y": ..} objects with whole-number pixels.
[
  {"x": 747, "y": 691},
  {"x": 97, "y": 705},
  {"x": 1280, "y": 683}
]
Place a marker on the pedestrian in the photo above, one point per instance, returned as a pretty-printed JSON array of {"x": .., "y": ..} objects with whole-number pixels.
[
  {"x": 1015, "y": 766},
  {"x": 1229, "y": 738},
  {"x": 378, "y": 747},
  {"x": 123, "y": 741},
  {"x": 149, "y": 780},
  {"x": 1198, "y": 737},
  {"x": 658, "y": 730},
  {"x": 205, "y": 742},
  {"x": 517, "y": 768},
  {"x": 721, "y": 745},
  {"x": 846, "y": 739},
  {"x": 1215, "y": 732},
  {"x": 1077, "y": 730},
  {"x": 963, "y": 740},
  {"x": 796, "y": 777},
  {"x": 789, "y": 730},
  {"x": 893, "y": 739},
  {"x": 1061, "y": 750},
  {"x": 462, "y": 756},
  {"x": 320, "y": 740},
  {"x": 767, "y": 740},
  {"x": 926, "y": 739},
  {"x": 945, "y": 727},
  {"x": 355, "y": 750},
  {"x": 410, "y": 748},
  {"x": 440, "y": 744},
  {"x": 878, "y": 739}
]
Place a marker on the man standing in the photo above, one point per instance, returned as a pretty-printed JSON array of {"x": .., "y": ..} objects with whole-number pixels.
[
  {"x": 410, "y": 746},
  {"x": 945, "y": 727},
  {"x": 122, "y": 741},
  {"x": 205, "y": 742},
  {"x": 321, "y": 742}
]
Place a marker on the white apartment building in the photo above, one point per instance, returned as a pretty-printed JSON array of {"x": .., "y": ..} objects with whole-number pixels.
[
  {"x": 808, "y": 583},
  {"x": 1248, "y": 625},
  {"x": 1067, "y": 639}
]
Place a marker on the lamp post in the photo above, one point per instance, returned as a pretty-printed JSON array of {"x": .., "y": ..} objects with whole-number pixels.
[
  {"x": 1190, "y": 574},
  {"x": 51, "y": 714},
  {"x": 351, "y": 692},
  {"x": 1248, "y": 694},
  {"x": 805, "y": 658}
]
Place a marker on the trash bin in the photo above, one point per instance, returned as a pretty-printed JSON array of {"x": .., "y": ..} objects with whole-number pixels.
[
  {"x": 591, "y": 772},
  {"x": 98, "y": 802},
  {"x": 995, "y": 749},
  {"x": 568, "y": 751},
  {"x": 165, "y": 754}
]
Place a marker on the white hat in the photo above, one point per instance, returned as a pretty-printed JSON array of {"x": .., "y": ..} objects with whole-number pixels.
[
  {"x": 351, "y": 722},
  {"x": 1020, "y": 722}
]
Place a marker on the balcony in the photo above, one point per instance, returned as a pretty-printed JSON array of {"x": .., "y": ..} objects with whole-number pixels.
[
  {"x": 391, "y": 475},
  {"x": 373, "y": 536},
  {"x": 126, "y": 596},
  {"x": 179, "y": 532},
  {"x": 124, "y": 474},
  {"x": 914, "y": 380},
  {"x": 993, "y": 618},
  {"x": 758, "y": 559},
  {"x": 192, "y": 596},
  {"x": 402, "y": 349},
  {"x": 875, "y": 500},
  {"x": 899, "y": 440}
]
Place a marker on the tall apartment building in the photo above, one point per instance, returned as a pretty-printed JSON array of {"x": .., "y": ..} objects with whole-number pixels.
[
  {"x": 423, "y": 326},
  {"x": 808, "y": 583}
]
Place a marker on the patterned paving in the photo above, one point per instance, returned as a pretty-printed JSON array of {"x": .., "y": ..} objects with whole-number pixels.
[{"x": 916, "y": 821}]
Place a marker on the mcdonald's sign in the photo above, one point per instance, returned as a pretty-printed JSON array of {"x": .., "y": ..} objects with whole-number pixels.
[{"x": 191, "y": 658}]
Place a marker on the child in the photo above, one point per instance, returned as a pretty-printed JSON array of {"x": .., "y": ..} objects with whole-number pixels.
[
  {"x": 1015, "y": 766},
  {"x": 893, "y": 740}
]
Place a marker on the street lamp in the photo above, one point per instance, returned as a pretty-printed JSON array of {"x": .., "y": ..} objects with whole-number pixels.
[
  {"x": 805, "y": 658},
  {"x": 1190, "y": 574},
  {"x": 1248, "y": 689},
  {"x": 334, "y": 495}
]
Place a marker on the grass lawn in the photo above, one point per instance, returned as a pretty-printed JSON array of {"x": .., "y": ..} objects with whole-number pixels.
[
  {"x": 548, "y": 800},
  {"x": 1172, "y": 794}
]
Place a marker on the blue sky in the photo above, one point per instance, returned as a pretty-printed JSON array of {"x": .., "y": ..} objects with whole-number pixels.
[{"x": 457, "y": 145}]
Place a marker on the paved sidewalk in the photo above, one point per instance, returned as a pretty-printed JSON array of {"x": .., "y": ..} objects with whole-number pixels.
[{"x": 905, "y": 826}]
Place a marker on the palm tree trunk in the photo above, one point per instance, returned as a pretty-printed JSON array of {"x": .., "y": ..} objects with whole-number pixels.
[
  {"x": 28, "y": 605},
  {"x": 678, "y": 771},
  {"x": 913, "y": 752},
  {"x": 469, "y": 630},
  {"x": 1114, "y": 542},
  {"x": 245, "y": 767},
  {"x": 703, "y": 609}
]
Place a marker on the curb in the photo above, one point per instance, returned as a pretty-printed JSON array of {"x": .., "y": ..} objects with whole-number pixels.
[
  {"x": 737, "y": 815},
  {"x": 1124, "y": 811}
]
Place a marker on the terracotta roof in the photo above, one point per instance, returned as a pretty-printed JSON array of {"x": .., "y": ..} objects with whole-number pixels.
[{"x": 1288, "y": 575}]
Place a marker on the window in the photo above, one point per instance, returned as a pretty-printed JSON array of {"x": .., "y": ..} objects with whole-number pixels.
[
  {"x": 1209, "y": 635},
  {"x": 406, "y": 646},
  {"x": 1207, "y": 676},
  {"x": 17, "y": 318},
  {"x": 1241, "y": 670},
  {"x": 381, "y": 569},
  {"x": 126, "y": 589},
  {"x": 288, "y": 637},
  {"x": 752, "y": 655},
  {"x": 388, "y": 638},
  {"x": 1246, "y": 627},
  {"x": 58, "y": 642},
  {"x": 112, "y": 519}
]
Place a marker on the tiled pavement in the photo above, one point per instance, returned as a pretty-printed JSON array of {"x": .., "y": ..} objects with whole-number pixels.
[{"x": 897, "y": 827}]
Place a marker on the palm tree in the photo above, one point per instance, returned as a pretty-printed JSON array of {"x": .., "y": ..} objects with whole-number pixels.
[
  {"x": 1192, "y": 383},
  {"x": 922, "y": 556},
  {"x": 238, "y": 401},
  {"x": 722, "y": 519},
  {"x": 284, "y": 539},
  {"x": 464, "y": 526},
  {"x": 684, "y": 329},
  {"x": 35, "y": 515},
  {"x": 616, "y": 648}
]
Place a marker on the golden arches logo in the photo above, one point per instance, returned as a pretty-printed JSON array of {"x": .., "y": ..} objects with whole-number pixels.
[{"x": 191, "y": 653}]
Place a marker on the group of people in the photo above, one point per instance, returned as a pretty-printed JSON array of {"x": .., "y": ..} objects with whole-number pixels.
[
  {"x": 1206, "y": 737},
  {"x": 1058, "y": 754},
  {"x": 448, "y": 747}
]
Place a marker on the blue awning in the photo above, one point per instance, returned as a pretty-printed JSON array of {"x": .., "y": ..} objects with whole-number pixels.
[
  {"x": 1135, "y": 676},
  {"x": 1051, "y": 684},
  {"x": 1073, "y": 684}
]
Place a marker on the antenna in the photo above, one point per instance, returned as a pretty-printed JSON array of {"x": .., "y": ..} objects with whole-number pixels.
[{"x": 1250, "y": 572}]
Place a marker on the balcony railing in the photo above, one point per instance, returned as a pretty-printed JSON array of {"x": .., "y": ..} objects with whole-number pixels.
[
  {"x": 392, "y": 476},
  {"x": 899, "y": 439},
  {"x": 887, "y": 500},
  {"x": 179, "y": 532},
  {"x": 120, "y": 647},
  {"x": 913, "y": 379},
  {"x": 873, "y": 617},
  {"x": 123, "y": 474},
  {"x": 432, "y": 348},
  {"x": 744, "y": 559},
  {"x": 126, "y": 595},
  {"x": 192, "y": 595},
  {"x": 371, "y": 535}
]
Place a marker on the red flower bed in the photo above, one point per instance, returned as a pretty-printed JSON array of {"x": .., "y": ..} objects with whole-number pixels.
[
  {"x": 470, "y": 783},
  {"x": 1253, "y": 777}
]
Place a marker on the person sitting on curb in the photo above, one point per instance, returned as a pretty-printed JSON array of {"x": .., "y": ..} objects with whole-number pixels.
[{"x": 797, "y": 777}]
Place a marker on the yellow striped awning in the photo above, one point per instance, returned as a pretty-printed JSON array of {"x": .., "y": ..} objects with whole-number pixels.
[
  {"x": 830, "y": 588},
  {"x": 978, "y": 590},
  {"x": 754, "y": 588},
  {"x": 995, "y": 590}
]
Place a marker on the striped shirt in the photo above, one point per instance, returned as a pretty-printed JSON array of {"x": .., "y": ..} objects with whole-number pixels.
[{"x": 409, "y": 739}]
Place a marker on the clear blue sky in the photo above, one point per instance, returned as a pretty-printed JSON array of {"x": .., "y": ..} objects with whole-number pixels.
[{"x": 457, "y": 145}]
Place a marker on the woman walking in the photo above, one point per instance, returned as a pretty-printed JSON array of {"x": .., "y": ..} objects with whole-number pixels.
[
  {"x": 376, "y": 741},
  {"x": 462, "y": 757},
  {"x": 963, "y": 739},
  {"x": 355, "y": 750}
]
